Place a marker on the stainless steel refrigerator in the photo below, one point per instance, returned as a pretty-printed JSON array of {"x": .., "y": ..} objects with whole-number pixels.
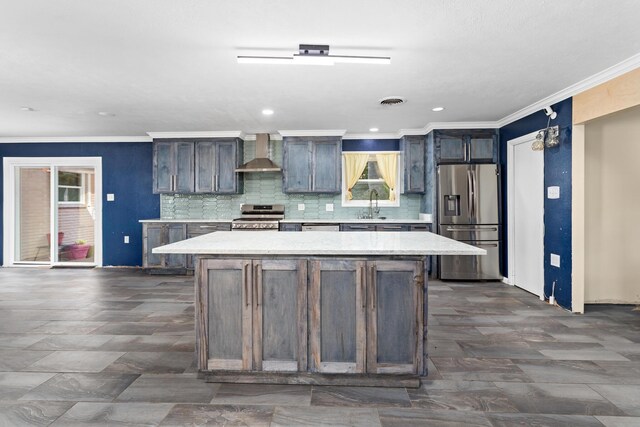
[{"x": 468, "y": 211}]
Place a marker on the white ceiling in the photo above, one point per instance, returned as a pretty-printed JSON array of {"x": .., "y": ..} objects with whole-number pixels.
[{"x": 167, "y": 65}]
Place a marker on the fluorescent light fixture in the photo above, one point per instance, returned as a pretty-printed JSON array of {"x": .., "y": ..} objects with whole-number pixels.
[
  {"x": 313, "y": 55},
  {"x": 374, "y": 130},
  {"x": 436, "y": 109},
  {"x": 267, "y": 112}
]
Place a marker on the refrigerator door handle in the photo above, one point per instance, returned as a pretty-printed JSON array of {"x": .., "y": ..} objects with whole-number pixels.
[
  {"x": 470, "y": 194},
  {"x": 474, "y": 195}
]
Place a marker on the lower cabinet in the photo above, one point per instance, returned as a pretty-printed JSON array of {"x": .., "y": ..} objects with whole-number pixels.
[
  {"x": 160, "y": 234},
  {"x": 256, "y": 314},
  {"x": 364, "y": 316}
]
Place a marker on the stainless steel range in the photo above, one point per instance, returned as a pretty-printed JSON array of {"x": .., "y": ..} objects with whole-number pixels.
[{"x": 258, "y": 218}]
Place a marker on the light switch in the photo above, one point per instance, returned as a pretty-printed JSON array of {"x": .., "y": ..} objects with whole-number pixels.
[
  {"x": 111, "y": 197},
  {"x": 300, "y": 206},
  {"x": 553, "y": 192},
  {"x": 126, "y": 239},
  {"x": 555, "y": 260},
  {"x": 329, "y": 207}
]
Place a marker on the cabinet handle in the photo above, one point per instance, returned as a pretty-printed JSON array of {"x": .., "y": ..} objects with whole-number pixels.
[
  {"x": 257, "y": 281},
  {"x": 173, "y": 183},
  {"x": 391, "y": 227},
  {"x": 372, "y": 278},
  {"x": 475, "y": 230},
  {"x": 363, "y": 277},
  {"x": 215, "y": 182},
  {"x": 246, "y": 285},
  {"x": 309, "y": 183}
]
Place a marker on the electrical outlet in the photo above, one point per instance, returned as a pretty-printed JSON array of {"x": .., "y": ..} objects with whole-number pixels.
[
  {"x": 329, "y": 207},
  {"x": 300, "y": 206},
  {"x": 555, "y": 260},
  {"x": 111, "y": 197},
  {"x": 553, "y": 192},
  {"x": 126, "y": 239}
]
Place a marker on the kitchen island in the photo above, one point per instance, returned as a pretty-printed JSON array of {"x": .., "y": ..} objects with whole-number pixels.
[{"x": 318, "y": 307}]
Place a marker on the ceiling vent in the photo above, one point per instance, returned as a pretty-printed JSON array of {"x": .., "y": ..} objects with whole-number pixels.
[{"x": 392, "y": 100}]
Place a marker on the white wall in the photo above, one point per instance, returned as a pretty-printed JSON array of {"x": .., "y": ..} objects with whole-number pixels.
[{"x": 612, "y": 208}]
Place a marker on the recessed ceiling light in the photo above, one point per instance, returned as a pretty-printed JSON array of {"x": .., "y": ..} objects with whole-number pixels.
[
  {"x": 26, "y": 109},
  {"x": 437, "y": 109},
  {"x": 373, "y": 130},
  {"x": 105, "y": 114},
  {"x": 267, "y": 112}
]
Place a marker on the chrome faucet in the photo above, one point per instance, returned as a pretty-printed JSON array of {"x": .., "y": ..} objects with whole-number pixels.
[{"x": 373, "y": 212}]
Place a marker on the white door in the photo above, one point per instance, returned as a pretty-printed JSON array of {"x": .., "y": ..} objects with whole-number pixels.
[
  {"x": 52, "y": 211},
  {"x": 526, "y": 215}
]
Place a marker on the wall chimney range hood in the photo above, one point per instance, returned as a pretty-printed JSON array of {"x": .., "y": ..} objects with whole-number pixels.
[{"x": 261, "y": 163}]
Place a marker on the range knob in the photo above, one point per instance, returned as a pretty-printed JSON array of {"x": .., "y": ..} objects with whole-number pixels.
[
  {"x": 264, "y": 225},
  {"x": 256, "y": 225}
]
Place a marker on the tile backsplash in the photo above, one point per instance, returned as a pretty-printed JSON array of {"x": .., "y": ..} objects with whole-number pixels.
[{"x": 266, "y": 188}]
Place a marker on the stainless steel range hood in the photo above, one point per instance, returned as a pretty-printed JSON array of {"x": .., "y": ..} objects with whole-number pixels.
[{"x": 261, "y": 163}]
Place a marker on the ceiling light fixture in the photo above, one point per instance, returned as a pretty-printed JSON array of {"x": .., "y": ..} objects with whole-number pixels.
[
  {"x": 267, "y": 112},
  {"x": 437, "y": 109},
  {"x": 311, "y": 54},
  {"x": 105, "y": 114},
  {"x": 26, "y": 109},
  {"x": 373, "y": 130}
]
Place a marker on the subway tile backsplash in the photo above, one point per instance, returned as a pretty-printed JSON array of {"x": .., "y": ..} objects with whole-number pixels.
[{"x": 264, "y": 188}]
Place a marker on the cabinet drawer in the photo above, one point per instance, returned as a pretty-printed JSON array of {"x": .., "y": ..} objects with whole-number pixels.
[
  {"x": 357, "y": 227},
  {"x": 197, "y": 229},
  {"x": 392, "y": 227}
]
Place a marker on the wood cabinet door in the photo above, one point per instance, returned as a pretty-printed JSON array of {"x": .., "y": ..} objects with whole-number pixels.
[
  {"x": 482, "y": 149},
  {"x": 223, "y": 331},
  {"x": 226, "y": 178},
  {"x": 327, "y": 167},
  {"x": 205, "y": 166},
  {"x": 394, "y": 318},
  {"x": 296, "y": 169},
  {"x": 163, "y": 167},
  {"x": 153, "y": 237},
  {"x": 280, "y": 315},
  {"x": 176, "y": 233},
  {"x": 452, "y": 149},
  {"x": 337, "y": 330},
  {"x": 414, "y": 170},
  {"x": 184, "y": 171}
]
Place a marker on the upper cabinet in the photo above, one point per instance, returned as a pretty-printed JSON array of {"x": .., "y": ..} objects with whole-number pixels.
[
  {"x": 312, "y": 165},
  {"x": 466, "y": 146},
  {"x": 216, "y": 162},
  {"x": 197, "y": 166},
  {"x": 414, "y": 163},
  {"x": 173, "y": 167}
]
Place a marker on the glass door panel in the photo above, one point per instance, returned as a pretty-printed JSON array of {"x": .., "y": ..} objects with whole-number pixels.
[
  {"x": 33, "y": 215},
  {"x": 75, "y": 214}
]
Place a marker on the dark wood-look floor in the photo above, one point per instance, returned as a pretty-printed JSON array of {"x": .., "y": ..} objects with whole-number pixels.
[{"x": 115, "y": 347}]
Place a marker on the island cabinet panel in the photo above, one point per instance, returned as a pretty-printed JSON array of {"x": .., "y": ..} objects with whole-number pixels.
[
  {"x": 394, "y": 330},
  {"x": 227, "y": 303},
  {"x": 337, "y": 316},
  {"x": 280, "y": 315}
]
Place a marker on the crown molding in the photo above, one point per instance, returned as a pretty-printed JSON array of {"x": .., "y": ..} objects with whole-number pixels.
[
  {"x": 272, "y": 137},
  {"x": 610, "y": 73},
  {"x": 71, "y": 139},
  {"x": 201, "y": 134},
  {"x": 371, "y": 136},
  {"x": 329, "y": 132}
]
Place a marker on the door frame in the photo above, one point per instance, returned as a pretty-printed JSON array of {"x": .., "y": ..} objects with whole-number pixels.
[
  {"x": 9, "y": 205},
  {"x": 511, "y": 254}
]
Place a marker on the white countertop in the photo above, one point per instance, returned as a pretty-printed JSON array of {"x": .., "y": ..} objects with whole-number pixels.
[
  {"x": 185, "y": 220},
  {"x": 319, "y": 243},
  {"x": 305, "y": 221},
  {"x": 356, "y": 221}
]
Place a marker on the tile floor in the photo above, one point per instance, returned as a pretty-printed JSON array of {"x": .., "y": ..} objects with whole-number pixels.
[{"x": 115, "y": 347}]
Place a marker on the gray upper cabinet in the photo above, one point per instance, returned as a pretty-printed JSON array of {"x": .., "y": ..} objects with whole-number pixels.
[
  {"x": 216, "y": 161},
  {"x": 312, "y": 165},
  {"x": 414, "y": 164},
  {"x": 173, "y": 167},
  {"x": 466, "y": 146},
  {"x": 202, "y": 166}
]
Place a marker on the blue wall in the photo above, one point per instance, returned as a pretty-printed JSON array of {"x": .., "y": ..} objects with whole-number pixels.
[
  {"x": 126, "y": 172},
  {"x": 557, "y": 212}
]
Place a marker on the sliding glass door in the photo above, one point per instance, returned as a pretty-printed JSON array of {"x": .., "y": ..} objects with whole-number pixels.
[{"x": 53, "y": 211}]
